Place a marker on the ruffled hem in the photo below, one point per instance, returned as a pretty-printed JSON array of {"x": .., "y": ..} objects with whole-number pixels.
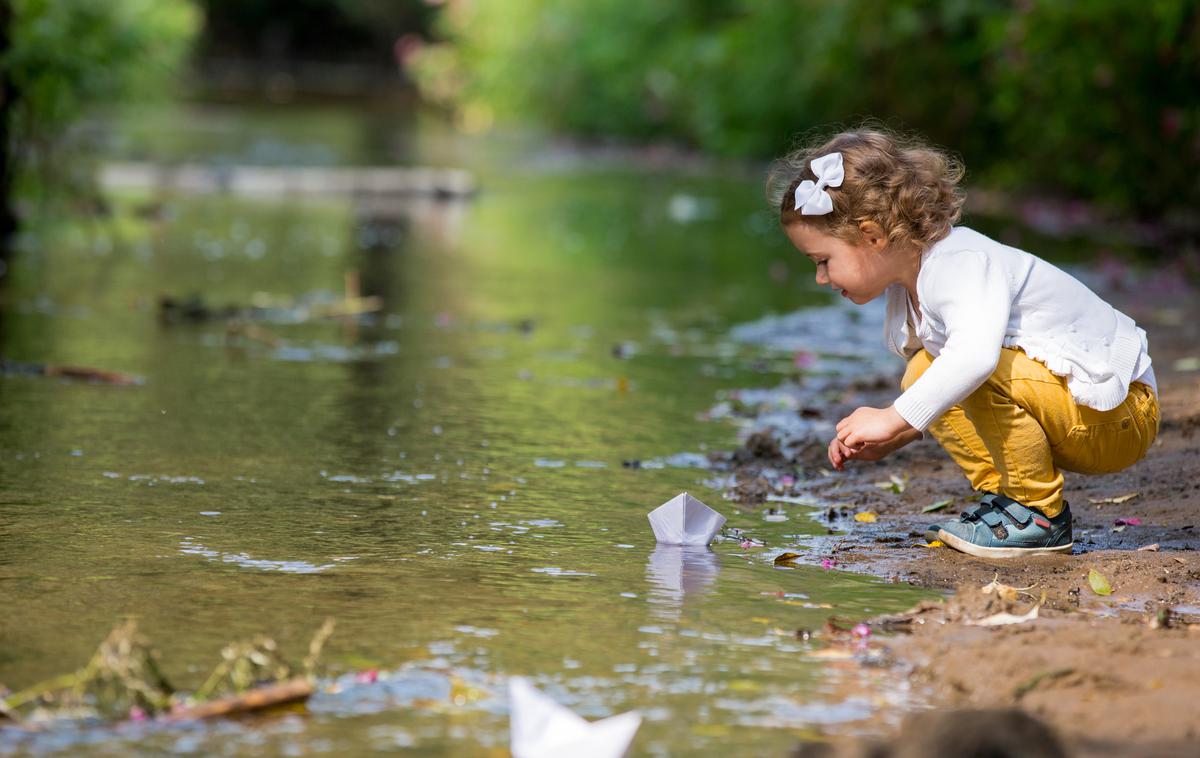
[{"x": 1101, "y": 393}]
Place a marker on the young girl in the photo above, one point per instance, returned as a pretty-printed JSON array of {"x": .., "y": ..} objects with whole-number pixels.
[{"x": 1016, "y": 368}]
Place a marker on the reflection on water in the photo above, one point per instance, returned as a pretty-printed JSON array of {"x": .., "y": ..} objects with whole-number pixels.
[
  {"x": 461, "y": 480},
  {"x": 677, "y": 571}
]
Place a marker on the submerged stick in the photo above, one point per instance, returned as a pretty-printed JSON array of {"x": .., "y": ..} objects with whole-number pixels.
[{"x": 291, "y": 691}]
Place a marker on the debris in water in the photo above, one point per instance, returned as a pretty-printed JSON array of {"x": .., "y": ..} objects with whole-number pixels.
[
  {"x": 82, "y": 373},
  {"x": 370, "y": 676},
  {"x": 123, "y": 681}
]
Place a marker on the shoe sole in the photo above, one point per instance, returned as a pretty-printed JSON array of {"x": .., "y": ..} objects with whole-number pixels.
[{"x": 970, "y": 548}]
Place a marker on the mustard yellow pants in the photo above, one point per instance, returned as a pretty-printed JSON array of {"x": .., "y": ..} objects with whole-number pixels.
[{"x": 1021, "y": 428}]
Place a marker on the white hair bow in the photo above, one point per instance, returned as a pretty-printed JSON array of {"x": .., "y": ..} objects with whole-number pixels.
[{"x": 811, "y": 198}]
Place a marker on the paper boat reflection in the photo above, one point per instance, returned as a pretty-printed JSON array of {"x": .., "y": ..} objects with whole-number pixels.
[{"x": 677, "y": 571}]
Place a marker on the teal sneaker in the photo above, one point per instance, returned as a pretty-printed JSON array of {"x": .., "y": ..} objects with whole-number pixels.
[{"x": 1000, "y": 527}]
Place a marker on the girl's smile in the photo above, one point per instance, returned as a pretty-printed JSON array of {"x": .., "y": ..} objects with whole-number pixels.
[{"x": 860, "y": 272}]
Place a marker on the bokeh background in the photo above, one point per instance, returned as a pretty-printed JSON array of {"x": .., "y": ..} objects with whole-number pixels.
[{"x": 405, "y": 313}]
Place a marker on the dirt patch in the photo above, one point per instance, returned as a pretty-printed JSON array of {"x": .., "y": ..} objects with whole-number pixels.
[{"x": 1114, "y": 674}]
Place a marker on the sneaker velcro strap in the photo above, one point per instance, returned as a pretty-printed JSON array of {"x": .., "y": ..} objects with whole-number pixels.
[
  {"x": 971, "y": 513},
  {"x": 1020, "y": 515},
  {"x": 991, "y": 517}
]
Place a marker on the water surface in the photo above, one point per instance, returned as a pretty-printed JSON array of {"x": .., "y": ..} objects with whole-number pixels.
[{"x": 448, "y": 480}]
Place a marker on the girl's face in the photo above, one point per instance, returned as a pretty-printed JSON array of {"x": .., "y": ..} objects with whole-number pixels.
[{"x": 860, "y": 272}]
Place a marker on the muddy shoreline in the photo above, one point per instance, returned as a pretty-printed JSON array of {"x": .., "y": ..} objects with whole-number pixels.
[{"x": 1111, "y": 675}]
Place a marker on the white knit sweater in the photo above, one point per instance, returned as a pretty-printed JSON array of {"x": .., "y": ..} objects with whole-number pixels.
[{"x": 977, "y": 296}]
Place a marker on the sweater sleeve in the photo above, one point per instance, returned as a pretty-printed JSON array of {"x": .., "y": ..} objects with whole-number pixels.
[{"x": 971, "y": 297}]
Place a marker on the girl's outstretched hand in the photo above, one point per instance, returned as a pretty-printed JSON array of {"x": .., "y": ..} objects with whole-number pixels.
[
  {"x": 839, "y": 454},
  {"x": 870, "y": 426}
]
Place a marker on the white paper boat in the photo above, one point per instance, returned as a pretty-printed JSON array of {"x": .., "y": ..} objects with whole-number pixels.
[
  {"x": 684, "y": 520},
  {"x": 541, "y": 728}
]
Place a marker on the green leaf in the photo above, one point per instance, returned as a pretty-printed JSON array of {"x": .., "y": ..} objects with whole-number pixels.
[
  {"x": 936, "y": 506},
  {"x": 1099, "y": 584},
  {"x": 786, "y": 559}
]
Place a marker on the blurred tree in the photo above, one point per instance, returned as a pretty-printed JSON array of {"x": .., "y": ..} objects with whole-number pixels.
[
  {"x": 362, "y": 31},
  {"x": 59, "y": 58},
  {"x": 1096, "y": 100}
]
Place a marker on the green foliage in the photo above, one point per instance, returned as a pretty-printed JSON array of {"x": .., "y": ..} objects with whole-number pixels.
[
  {"x": 1091, "y": 99},
  {"x": 67, "y": 56}
]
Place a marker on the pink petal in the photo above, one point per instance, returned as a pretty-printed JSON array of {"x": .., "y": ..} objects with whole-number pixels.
[
  {"x": 861, "y": 630},
  {"x": 370, "y": 676}
]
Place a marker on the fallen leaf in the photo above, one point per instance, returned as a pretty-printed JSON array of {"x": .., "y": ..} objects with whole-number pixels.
[
  {"x": 1099, "y": 584},
  {"x": 934, "y": 543},
  {"x": 939, "y": 505},
  {"x": 1151, "y": 548},
  {"x": 1120, "y": 528},
  {"x": 786, "y": 559},
  {"x": 1131, "y": 521},
  {"x": 866, "y": 517},
  {"x": 1004, "y": 591},
  {"x": 894, "y": 483},
  {"x": 1114, "y": 500},
  {"x": 1002, "y": 619}
]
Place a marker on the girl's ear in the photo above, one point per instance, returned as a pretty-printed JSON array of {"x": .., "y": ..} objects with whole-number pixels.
[{"x": 872, "y": 235}]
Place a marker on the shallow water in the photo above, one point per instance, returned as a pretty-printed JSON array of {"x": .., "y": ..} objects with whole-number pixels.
[{"x": 445, "y": 480}]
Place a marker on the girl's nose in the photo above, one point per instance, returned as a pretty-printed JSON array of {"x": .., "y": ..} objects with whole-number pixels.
[{"x": 822, "y": 277}]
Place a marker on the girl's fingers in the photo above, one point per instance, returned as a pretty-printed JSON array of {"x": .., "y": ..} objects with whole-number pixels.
[{"x": 835, "y": 455}]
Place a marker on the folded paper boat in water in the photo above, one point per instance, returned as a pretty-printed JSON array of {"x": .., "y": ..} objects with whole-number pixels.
[
  {"x": 541, "y": 728},
  {"x": 684, "y": 520}
]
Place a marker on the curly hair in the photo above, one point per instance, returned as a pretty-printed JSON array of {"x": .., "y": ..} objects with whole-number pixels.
[{"x": 905, "y": 185}]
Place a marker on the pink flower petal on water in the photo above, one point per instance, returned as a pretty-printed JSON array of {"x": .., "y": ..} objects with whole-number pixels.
[
  {"x": 137, "y": 714},
  {"x": 804, "y": 359},
  {"x": 861, "y": 630},
  {"x": 370, "y": 676},
  {"x": 827, "y": 563}
]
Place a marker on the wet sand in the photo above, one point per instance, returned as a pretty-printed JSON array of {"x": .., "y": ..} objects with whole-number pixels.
[{"x": 1112, "y": 675}]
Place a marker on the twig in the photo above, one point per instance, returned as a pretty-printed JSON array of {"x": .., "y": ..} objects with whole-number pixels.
[{"x": 291, "y": 691}]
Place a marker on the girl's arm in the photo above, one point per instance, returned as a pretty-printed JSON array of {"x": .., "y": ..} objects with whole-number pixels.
[{"x": 970, "y": 296}]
